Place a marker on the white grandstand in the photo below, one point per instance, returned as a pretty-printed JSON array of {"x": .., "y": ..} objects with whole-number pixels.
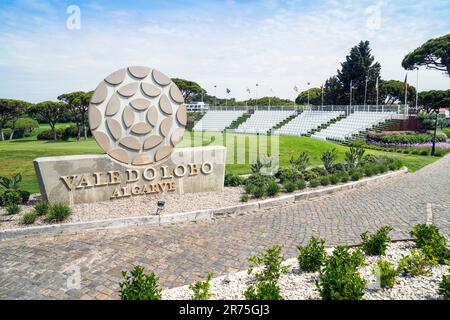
[
  {"x": 307, "y": 121},
  {"x": 263, "y": 120},
  {"x": 352, "y": 124},
  {"x": 217, "y": 120}
]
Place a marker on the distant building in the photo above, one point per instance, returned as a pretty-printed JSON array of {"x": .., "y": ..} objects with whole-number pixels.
[{"x": 197, "y": 107}]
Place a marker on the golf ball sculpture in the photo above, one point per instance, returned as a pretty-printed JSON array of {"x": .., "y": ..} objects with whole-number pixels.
[{"x": 137, "y": 115}]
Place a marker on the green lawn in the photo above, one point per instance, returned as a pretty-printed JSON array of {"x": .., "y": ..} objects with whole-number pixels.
[{"x": 18, "y": 155}]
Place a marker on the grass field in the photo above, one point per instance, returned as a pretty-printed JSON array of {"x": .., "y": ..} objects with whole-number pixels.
[{"x": 18, "y": 155}]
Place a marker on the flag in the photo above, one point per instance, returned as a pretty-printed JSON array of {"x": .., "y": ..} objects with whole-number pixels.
[
  {"x": 376, "y": 86},
  {"x": 295, "y": 88},
  {"x": 405, "y": 83},
  {"x": 228, "y": 90},
  {"x": 309, "y": 83}
]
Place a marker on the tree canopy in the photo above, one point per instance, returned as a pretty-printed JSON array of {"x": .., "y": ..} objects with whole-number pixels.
[
  {"x": 50, "y": 111},
  {"x": 434, "y": 54},
  {"x": 10, "y": 111},
  {"x": 393, "y": 91},
  {"x": 188, "y": 88},
  {"x": 78, "y": 105},
  {"x": 315, "y": 97},
  {"x": 434, "y": 99}
]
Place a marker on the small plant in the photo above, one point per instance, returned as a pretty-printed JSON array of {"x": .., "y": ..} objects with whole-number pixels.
[
  {"x": 339, "y": 278},
  {"x": 201, "y": 288},
  {"x": 290, "y": 186},
  {"x": 356, "y": 175},
  {"x": 324, "y": 181},
  {"x": 244, "y": 197},
  {"x": 444, "y": 287},
  {"x": 386, "y": 273},
  {"x": 58, "y": 212},
  {"x": 344, "y": 177},
  {"x": 11, "y": 183},
  {"x": 314, "y": 183},
  {"x": 137, "y": 285},
  {"x": 354, "y": 156},
  {"x": 25, "y": 196},
  {"x": 273, "y": 189},
  {"x": 335, "y": 178},
  {"x": 29, "y": 217},
  {"x": 414, "y": 264},
  {"x": 300, "y": 184},
  {"x": 376, "y": 244},
  {"x": 233, "y": 180},
  {"x": 301, "y": 162},
  {"x": 311, "y": 256},
  {"x": 258, "y": 184},
  {"x": 328, "y": 159},
  {"x": 41, "y": 207},
  {"x": 12, "y": 208},
  {"x": 10, "y": 196},
  {"x": 433, "y": 244},
  {"x": 270, "y": 268},
  {"x": 369, "y": 171}
]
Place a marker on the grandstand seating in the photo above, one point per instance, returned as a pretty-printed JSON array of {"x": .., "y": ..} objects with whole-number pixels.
[
  {"x": 307, "y": 121},
  {"x": 263, "y": 120},
  {"x": 351, "y": 125},
  {"x": 217, "y": 120}
]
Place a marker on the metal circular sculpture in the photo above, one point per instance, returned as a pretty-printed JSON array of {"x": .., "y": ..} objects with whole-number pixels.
[{"x": 137, "y": 115}]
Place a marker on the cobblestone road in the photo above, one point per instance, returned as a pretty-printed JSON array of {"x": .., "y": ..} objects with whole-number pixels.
[{"x": 42, "y": 268}]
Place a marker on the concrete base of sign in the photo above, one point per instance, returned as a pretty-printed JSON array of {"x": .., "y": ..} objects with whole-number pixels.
[{"x": 92, "y": 178}]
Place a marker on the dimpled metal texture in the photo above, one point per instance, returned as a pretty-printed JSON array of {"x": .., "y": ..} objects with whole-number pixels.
[{"x": 137, "y": 115}]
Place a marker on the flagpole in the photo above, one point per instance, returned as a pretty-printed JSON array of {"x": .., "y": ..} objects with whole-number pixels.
[
  {"x": 417, "y": 88},
  {"x": 406, "y": 94},
  {"x": 215, "y": 96},
  {"x": 322, "y": 96},
  {"x": 377, "y": 93},
  {"x": 365, "y": 94},
  {"x": 308, "y": 94},
  {"x": 351, "y": 87},
  {"x": 256, "y": 94}
]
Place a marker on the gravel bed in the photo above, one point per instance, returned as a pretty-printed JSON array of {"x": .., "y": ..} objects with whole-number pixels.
[{"x": 297, "y": 285}]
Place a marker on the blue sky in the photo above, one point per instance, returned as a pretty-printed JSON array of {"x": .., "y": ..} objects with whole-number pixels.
[{"x": 233, "y": 44}]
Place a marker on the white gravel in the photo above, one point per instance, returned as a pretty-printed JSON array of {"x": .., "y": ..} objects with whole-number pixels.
[{"x": 297, "y": 285}]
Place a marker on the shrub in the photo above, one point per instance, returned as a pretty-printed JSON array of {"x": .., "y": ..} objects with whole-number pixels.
[
  {"x": 244, "y": 197},
  {"x": 258, "y": 184},
  {"x": 319, "y": 171},
  {"x": 137, "y": 285},
  {"x": 61, "y": 134},
  {"x": 300, "y": 184},
  {"x": 433, "y": 244},
  {"x": 25, "y": 196},
  {"x": 29, "y": 217},
  {"x": 270, "y": 268},
  {"x": 233, "y": 180},
  {"x": 414, "y": 264},
  {"x": 324, "y": 181},
  {"x": 369, "y": 170},
  {"x": 344, "y": 177},
  {"x": 265, "y": 290},
  {"x": 309, "y": 175},
  {"x": 200, "y": 289},
  {"x": 12, "y": 208},
  {"x": 290, "y": 186},
  {"x": 273, "y": 188},
  {"x": 444, "y": 287},
  {"x": 386, "y": 273},
  {"x": 354, "y": 156},
  {"x": 11, "y": 183},
  {"x": 339, "y": 278},
  {"x": 328, "y": 159},
  {"x": 311, "y": 256},
  {"x": 356, "y": 175},
  {"x": 376, "y": 244},
  {"x": 314, "y": 183},
  {"x": 335, "y": 178},
  {"x": 9, "y": 197},
  {"x": 58, "y": 212},
  {"x": 41, "y": 207},
  {"x": 289, "y": 175},
  {"x": 301, "y": 162}
]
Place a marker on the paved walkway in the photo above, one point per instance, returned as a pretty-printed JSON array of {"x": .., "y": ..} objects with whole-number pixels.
[{"x": 180, "y": 254}]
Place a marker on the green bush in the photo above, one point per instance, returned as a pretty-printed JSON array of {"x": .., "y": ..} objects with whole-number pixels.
[
  {"x": 314, "y": 183},
  {"x": 404, "y": 137},
  {"x": 200, "y": 289},
  {"x": 335, "y": 178},
  {"x": 289, "y": 175},
  {"x": 356, "y": 175},
  {"x": 386, "y": 273},
  {"x": 58, "y": 212},
  {"x": 29, "y": 217},
  {"x": 12, "y": 208},
  {"x": 137, "y": 285},
  {"x": 309, "y": 175},
  {"x": 233, "y": 180},
  {"x": 354, "y": 156},
  {"x": 273, "y": 189},
  {"x": 41, "y": 207},
  {"x": 444, "y": 287},
  {"x": 414, "y": 264},
  {"x": 290, "y": 186},
  {"x": 300, "y": 184},
  {"x": 265, "y": 290},
  {"x": 344, "y": 177},
  {"x": 339, "y": 279},
  {"x": 311, "y": 256},
  {"x": 244, "y": 197},
  {"x": 258, "y": 185},
  {"x": 9, "y": 196},
  {"x": 324, "y": 181},
  {"x": 62, "y": 134},
  {"x": 11, "y": 183},
  {"x": 432, "y": 243},
  {"x": 24, "y": 196},
  {"x": 369, "y": 170},
  {"x": 301, "y": 162},
  {"x": 376, "y": 244},
  {"x": 270, "y": 268},
  {"x": 328, "y": 159}
]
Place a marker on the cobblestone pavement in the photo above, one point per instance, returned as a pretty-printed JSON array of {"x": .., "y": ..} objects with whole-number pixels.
[{"x": 42, "y": 268}]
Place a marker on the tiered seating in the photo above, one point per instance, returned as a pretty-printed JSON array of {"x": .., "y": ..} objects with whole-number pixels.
[
  {"x": 217, "y": 120},
  {"x": 307, "y": 121},
  {"x": 262, "y": 121},
  {"x": 353, "y": 124}
]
